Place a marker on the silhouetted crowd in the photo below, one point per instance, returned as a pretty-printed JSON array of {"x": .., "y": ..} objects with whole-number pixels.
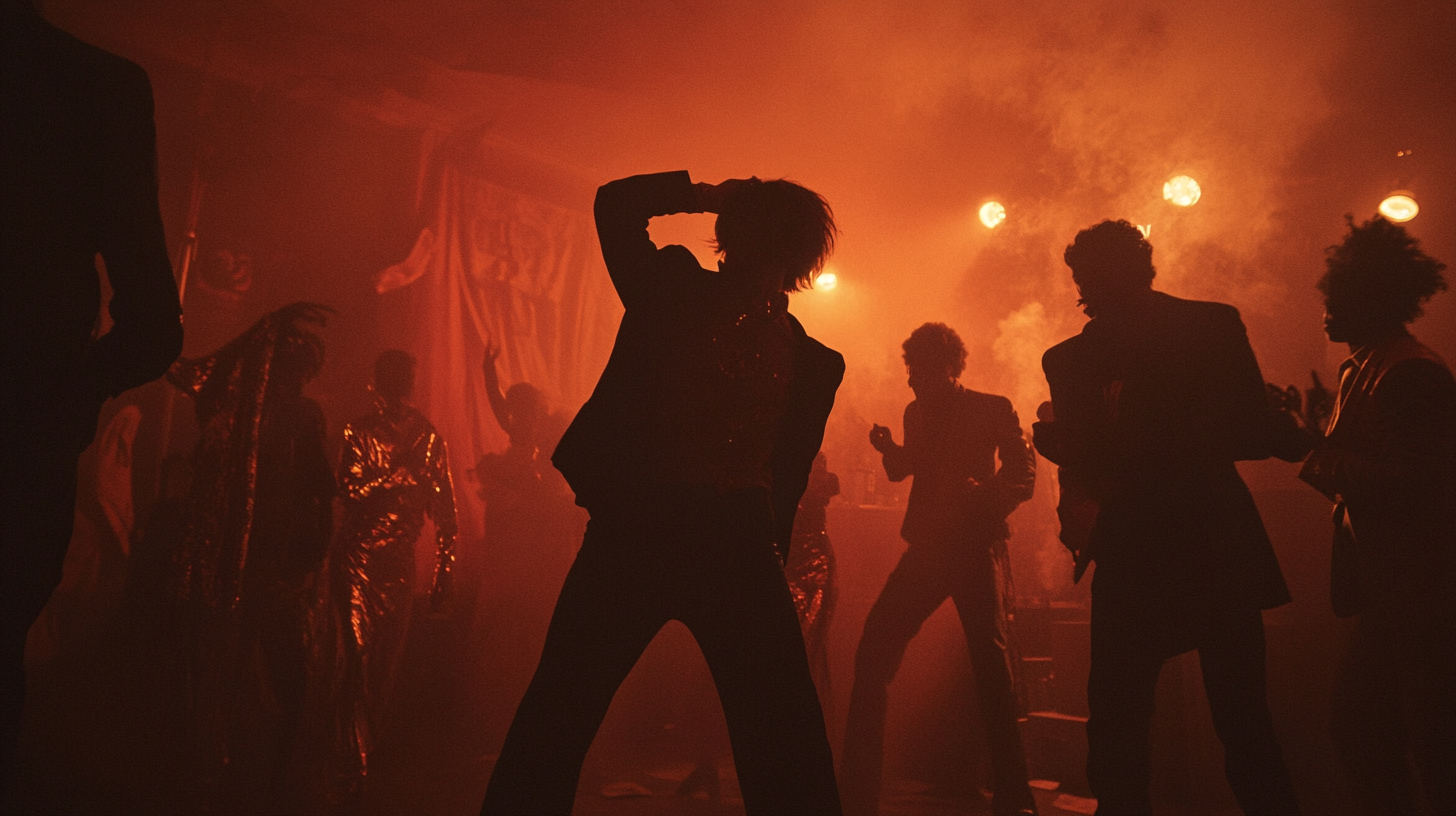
[{"x": 288, "y": 579}]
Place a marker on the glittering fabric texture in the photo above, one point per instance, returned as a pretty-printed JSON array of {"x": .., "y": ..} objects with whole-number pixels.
[
  {"x": 394, "y": 471},
  {"x": 722, "y": 428},
  {"x": 810, "y": 569},
  {"x": 257, "y": 522}
]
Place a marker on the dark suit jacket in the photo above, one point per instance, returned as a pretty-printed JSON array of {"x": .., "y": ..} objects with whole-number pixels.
[
  {"x": 77, "y": 179},
  {"x": 612, "y": 444},
  {"x": 949, "y": 443},
  {"x": 1390, "y": 456},
  {"x": 1151, "y": 414}
]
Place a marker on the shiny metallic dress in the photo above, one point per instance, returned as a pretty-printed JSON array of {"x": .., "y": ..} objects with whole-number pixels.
[
  {"x": 393, "y": 472},
  {"x": 810, "y": 569}
]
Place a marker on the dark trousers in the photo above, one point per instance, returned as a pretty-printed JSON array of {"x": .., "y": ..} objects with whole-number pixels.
[
  {"x": 926, "y": 575},
  {"x": 1395, "y": 701},
  {"x": 1124, "y": 674},
  {"x": 705, "y": 561},
  {"x": 39, "y": 506}
]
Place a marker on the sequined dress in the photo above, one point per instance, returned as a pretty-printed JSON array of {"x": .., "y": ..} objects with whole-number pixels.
[
  {"x": 394, "y": 471},
  {"x": 810, "y": 570}
]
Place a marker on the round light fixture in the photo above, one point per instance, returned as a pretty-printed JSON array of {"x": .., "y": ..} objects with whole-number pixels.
[
  {"x": 992, "y": 214},
  {"x": 1182, "y": 190},
  {"x": 826, "y": 281},
  {"x": 1399, "y": 206}
]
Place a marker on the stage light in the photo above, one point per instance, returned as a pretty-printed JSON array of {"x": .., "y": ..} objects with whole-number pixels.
[
  {"x": 826, "y": 281},
  {"x": 992, "y": 214},
  {"x": 1399, "y": 206},
  {"x": 1182, "y": 190},
  {"x": 1146, "y": 230}
]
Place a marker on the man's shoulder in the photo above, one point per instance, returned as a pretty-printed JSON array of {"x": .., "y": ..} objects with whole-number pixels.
[
  {"x": 814, "y": 353},
  {"x": 1201, "y": 311},
  {"x": 78, "y": 77},
  {"x": 98, "y": 68},
  {"x": 985, "y": 405},
  {"x": 1065, "y": 354}
]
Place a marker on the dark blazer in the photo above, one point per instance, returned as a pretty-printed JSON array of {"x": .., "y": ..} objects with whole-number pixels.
[
  {"x": 950, "y": 443},
  {"x": 77, "y": 179},
  {"x": 1151, "y": 414},
  {"x": 1389, "y": 456},
  {"x": 608, "y": 450}
]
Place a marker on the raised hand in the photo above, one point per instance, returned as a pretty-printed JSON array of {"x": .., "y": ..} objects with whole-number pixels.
[
  {"x": 492, "y": 353},
  {"x": 881, "y": 438}
]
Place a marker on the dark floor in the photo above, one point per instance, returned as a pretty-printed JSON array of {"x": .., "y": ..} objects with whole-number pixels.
[{"x": 102, "y": 733}]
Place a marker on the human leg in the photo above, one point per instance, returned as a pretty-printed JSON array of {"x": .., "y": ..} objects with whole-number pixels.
[
  {"x": 1120, "y": 685},
  {"x": 744, "y": 619},
  {"x": 278, "y": 626},
  {"x": 1367, "y": 725},
  {"x": 913, "y": 591},
  {"x": 1425, "y": 668},
  {"x": 979, "y": 598},
  {"x": 1232, "y": 656},
  {"x": 605, "y": 616}
]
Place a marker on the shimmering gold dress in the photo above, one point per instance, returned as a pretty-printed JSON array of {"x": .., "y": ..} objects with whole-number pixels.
[{"x": 393, "y": 472}]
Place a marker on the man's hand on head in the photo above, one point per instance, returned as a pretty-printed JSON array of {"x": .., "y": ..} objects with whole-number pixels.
[{"x": 711, "y": 197}]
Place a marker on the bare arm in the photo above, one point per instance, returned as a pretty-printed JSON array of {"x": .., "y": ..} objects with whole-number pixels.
[{"x": 493, "y": 389}]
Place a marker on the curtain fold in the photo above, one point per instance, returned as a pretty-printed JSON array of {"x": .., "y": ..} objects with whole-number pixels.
[{"x": 496, "y": 264}]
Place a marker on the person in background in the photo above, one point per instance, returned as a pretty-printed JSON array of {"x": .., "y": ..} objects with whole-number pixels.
[
  {"x": 522, "y": 413},
  {"x": 1388, "y": 461},
  {"x": 1151, "y": 406},
  {"x": 259, "y": 518},
  {"x": 78, "y": 181},
  {"x": 394, "y": 471},
  {"x": 955, "y": 523},
  {"x": 691, "y": 457}
]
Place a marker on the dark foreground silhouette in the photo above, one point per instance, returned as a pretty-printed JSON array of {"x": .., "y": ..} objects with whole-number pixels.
[
  {"x": 78, "y": 183},
  {"x": 691, "y": 457},
  {"x": 1388, "y": 460},
  {"x": 1153, "y": 403}
]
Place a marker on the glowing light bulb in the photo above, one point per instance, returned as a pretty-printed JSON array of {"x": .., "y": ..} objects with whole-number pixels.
[
  {"x": 826, "y": 281},
  {"x": 992, "y": 214},
  {"x": 1399, "y": 207},
  {"x": 1182, "y": 190}
]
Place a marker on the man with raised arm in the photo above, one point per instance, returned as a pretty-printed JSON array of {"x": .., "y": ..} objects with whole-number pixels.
[{"x": 691, "y": 457}]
